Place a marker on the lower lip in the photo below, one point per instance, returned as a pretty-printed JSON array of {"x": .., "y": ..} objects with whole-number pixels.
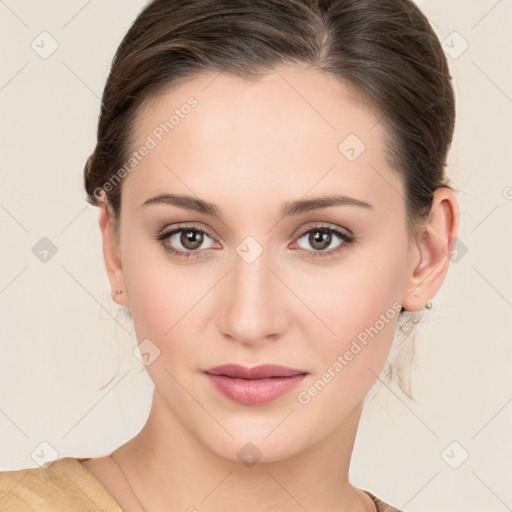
[{"x": 255, "y": 391}]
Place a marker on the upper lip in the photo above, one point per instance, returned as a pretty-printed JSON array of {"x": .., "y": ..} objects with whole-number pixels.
[{"x": 262, "y": 371}]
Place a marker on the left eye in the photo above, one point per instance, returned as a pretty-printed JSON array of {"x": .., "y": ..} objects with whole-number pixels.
[{"x": 321, "y": 239}]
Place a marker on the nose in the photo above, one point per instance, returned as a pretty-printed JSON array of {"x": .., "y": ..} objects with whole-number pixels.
[{"x": 253, "y": 302}]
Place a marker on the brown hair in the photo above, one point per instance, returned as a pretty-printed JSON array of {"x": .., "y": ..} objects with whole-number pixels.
[{"x": 384, "y": 50}]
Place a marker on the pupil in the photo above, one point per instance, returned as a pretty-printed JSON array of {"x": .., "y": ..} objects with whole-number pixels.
[
  {"x": 191, "y": 239},
  {"x": 323, "y": 238}
]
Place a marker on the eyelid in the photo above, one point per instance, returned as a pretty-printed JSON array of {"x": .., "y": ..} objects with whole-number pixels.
[
  {"x": 169, "y": 230},
  {"x": 324, "y": 225}
]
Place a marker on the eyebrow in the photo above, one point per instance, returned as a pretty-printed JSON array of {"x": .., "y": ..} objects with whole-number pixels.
[{"x": 288, "y": 209}]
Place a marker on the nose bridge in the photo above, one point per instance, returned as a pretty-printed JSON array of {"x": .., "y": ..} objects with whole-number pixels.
[{"x": 253, "y": 309}]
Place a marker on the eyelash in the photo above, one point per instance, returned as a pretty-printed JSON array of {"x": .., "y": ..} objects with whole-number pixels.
[{"x": 161, "y": 238}]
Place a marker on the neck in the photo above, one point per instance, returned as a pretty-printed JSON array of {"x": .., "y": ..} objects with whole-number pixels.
[{"x": 170, "y": 469}]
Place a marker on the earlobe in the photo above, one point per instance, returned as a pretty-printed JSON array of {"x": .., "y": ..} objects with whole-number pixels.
[
  {"x": 111, "y": 256},
  {"x": 431, "y": 251}
]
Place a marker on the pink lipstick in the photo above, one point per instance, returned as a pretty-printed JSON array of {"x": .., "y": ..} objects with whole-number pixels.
[{"x": 254, "y": 386}]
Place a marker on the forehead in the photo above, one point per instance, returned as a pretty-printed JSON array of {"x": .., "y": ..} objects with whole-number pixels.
[{"x": 297, "y": 129}]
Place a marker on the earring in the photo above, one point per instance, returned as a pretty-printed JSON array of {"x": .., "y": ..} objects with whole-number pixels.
[{"x": 117, "y": 292}]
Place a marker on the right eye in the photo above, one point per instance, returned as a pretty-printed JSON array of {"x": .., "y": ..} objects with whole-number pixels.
[{"x": 184, "y": 241}]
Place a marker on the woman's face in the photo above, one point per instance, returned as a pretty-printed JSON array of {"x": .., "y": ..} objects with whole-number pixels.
[{"x": 263, "y": 280}]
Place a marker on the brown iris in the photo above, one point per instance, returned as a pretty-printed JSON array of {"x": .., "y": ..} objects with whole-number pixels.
[
  {"x": 320, "y": 237},
  {"x": 191, "y": 239}
]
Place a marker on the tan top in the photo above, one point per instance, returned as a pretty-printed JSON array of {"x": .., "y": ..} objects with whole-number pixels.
[{"x": 67, "y": 486}]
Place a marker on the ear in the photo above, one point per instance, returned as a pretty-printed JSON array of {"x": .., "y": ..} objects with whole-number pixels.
[
  {"x": 431, "y": 251},
  {"x": 111, "y": 255}
]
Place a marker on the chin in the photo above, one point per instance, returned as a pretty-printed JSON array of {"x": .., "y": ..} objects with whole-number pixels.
[{"x": 252, "y": 445}]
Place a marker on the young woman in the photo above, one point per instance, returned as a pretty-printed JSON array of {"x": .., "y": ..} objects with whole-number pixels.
[{"x": 270, "y": 176}]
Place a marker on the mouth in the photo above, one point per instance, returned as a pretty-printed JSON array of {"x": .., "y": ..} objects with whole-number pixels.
[{"x": 254, "y": 386}]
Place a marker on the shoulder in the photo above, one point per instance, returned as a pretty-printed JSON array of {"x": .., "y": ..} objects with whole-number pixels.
[
  {"x": 381, "y": 506},
  {"x": 63, "y": 486}
]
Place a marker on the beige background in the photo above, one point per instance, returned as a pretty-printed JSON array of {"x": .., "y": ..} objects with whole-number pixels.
[{"x": 63, "y": 338}]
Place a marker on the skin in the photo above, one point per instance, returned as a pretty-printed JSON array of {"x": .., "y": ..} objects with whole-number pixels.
[{"x": 249, "y": 147}]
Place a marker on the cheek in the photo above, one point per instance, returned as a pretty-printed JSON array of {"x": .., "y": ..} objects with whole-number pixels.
[
  {"x": 167, "y": 302},
  {"x": 159, "y": 292},
  {"x": 164, "y": 311},
  {"x": 349, "y": 361},
  {"x": 352, "y": 295},
  {"x": 356, "y": 310}
]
